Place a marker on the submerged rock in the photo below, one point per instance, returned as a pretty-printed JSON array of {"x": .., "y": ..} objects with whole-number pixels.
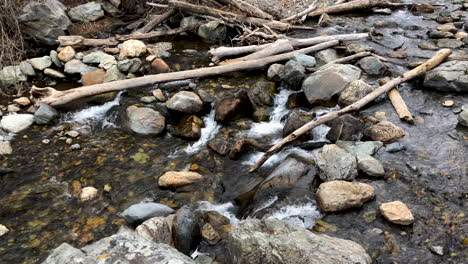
[
  {"x": 177, "y": 179},
  {"x": 397, "y": 212},
  {"x": 145, "y": 121},
  {"x": 291, "y": 172},
  {"x": 335, "y": 163},
  {"x": 295, "y": 120},
  {"x": 45, "y": 114},
  {"x": 372, "y": 66},
  {"x": 160, "y": 66},
  {"x": 324, "y": 84},
  {"x": 88, "y": 193},
  {"x": 384, "y": 131},
  {"x": 213, "y": 31},
  {"x": 189, "y": 127},
  {"x": 120, "y": 248},
  {"x": 89, "y": 12},
  {"x": 138, "y": 213},
  {"x": 369, "y": 165},
  {"x": 45, "y": 20},
  {"x": 157, "y": 229},
  {"x": 186, "y": 102},
  {"x": 450, "y": 76},
  {"x": 17, "y": 123},
  {"x": 336, "y": 196},
  {"x": 354, "y": 92},
  {"x": 277, "y": 242},
  {"x": 261, "y": 94}
]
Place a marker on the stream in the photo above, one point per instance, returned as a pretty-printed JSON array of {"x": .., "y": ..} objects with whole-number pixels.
[{"x": 430, "y": 173}]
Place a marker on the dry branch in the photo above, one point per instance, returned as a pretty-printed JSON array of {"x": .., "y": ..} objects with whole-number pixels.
[
  {"x": 154, "y": 34},
  {"x": 156, "y": 21},
  {"x": 311, "y": 8},
  {"x": 428, "y": 65},
  {"x": 53, "y": 97},
  {"x": 349, "y": 6},
  {"x": 79, "y": 41},
  {"x": 251, "y": 10},
  {"x": 400, "y": 106}
]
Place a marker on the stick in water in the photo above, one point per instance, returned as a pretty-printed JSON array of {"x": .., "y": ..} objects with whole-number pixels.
[{"x": 438, "y": 58}]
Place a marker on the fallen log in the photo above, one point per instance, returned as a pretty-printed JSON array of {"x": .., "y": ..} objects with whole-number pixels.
[
  {"x": 156, "y": 21},
  {"x": 222, "y": 52},
  {"x": 280, "y": 46},
  {"x": 79, "y": 41},
  {"x": 350, "y": 6},
  {"x": 233, "y": 17},
  {"x": 53, "y": 97},
  {"x": 154, "y": 34},
  {"x": 400, "y": 106},
  {"x": 438, "y": 58}
]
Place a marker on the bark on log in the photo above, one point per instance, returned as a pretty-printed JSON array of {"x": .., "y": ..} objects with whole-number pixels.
[
  {"x": 400, "y": 106},
  {"x": 438, "y": 58},
  {"x": 349, "y": 6},
  {"x": 221, "y": 52},
  {"x": 53, "y": 97},
  {"x": 233, "y": 17},
  {"x": 79, "y": 41},
  {"x": 279, "y": 46},
  {"x": 156, "y": 21},
  {"x": 251, "y": 10}
]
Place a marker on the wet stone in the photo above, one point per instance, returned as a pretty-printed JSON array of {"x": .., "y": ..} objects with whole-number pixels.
[
  {"x": 186, "y": 102},
  {"x": 384, "y": 131},
  {"x": 372, "y": 66},
  {"x": 354, "y": 92},
  {"x": 397, "y": 213},
  {"x": 160, "y": 66},
  {"x": 157, "y": 229},
  {"x": 41, "y": 63},
  {"x": 292, "y": 74},
  {"x": 5, "y": 148},
  {"x": 88, "y": 193},
  {"x": 138, "y": 213},
  {"x": 228, "y": 109},
  {"x": 54, "y": 73},
  {"x": 177, "y": 179},
  {"x": 335, "y": 163},
  {"x": 148, "y": 99},
  {"x": 145, "y": 121},
  {"x": 369, "y": 165},
  {"x": 435, "y": 34},
  {"x": 189, "y": 127},
  {"x": 449, "y": 43},
  {"x": 336, "y": 196},
  {"x": 45, "y": 114}
]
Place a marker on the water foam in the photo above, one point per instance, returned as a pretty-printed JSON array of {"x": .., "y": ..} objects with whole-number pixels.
[
  {"x": 207, "y": 133},
  {"x": 226, "y": 209},
  {"x": 303, "y": 215},
  {"x": 275, "y": 159}
]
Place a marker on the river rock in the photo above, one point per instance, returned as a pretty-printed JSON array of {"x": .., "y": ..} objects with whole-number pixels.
[
  {"x": 186, "y": 230},
  {"x": 160, "y": 66},
  {"x": 27, "y": 68},
  {"x": 45, "y": 114},
  {"x": 89, "y": 12},
  {"x": 228, "y": 109},
  {"x": 324, "y": 84},
  {"x": 130, "y": 65},
  {"x": 213, "y": 31},
  {"x": 325, "y": 56},
  {"x": 145, "y": 121},
  {"x": 55, "y": 59},
  {"x": 345, "y": 127},
  {"x": 274, "y": 72},
  {"x": 209, "y": 234},
  {"x": 292, "y": 74},
  {"x": 336, "y": 196},
  {"x": 23, "y": 101},
  {"x": 463, "y": 118},
  {"x": 113, "y": 74},
  {"x": 450, "y": 76},
  {"x": 436, "y": 34},
  {"x": 397, "y": 212},
  {"x": 95, "y": 77},
  {"x": 107, "y": 63},
  {"x": 132, "y": 48},
  {"x": 186, "y": 102},
  {"x": 17, "y": 123},
  {"x": 220, "y": 146},
  {"x": 147, "y": 99},
  {"x": 5, "y": 148},
  {"x": 10, "y": 75},
  {"x": 177, "y": 179},
  {"x": 120, "y": 248},
  {"x": 189, "y": 127},
  {"x": 138, "y": 213},
  {"x": 45, "y": 20},
  {"x": 276, "y": 242},
  {"x": 67, "y": 54},
  {"x": 295, "y": 120},
  {"x": 372, "y": 66},
  {"x": 304, "y": 60},
  {"x": 363, "y": 147},
  {"x": 449, "y": 43},
  {"x": 354, "y": 92},
  {"x": 291, "y": 172},
  {"x": 41, "y": 63},
  {"x": 96, "y": 57},
  {"x": 335, "y": 163},
  {"x": 158, "y": 94},
  {"x": 76, "y": 66},
  {"x": 190, "y": 21},
  {"x": 261, "y": 94},
  {"x": 88, "y": 193},
  {"x": 54, "y": 73},
  {"x": 449, "y": 27},
  {"x": 157, "y": 229},
  {"x": 369, "y": 165},
  {"x": 3, "y": 230},
  {"x": 384, "y": 131}
]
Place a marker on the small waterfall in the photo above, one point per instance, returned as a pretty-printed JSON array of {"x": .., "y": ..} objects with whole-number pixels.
[
  {"x": 275, "y": 124},
  {"x": 207, "y": 133},
  {"x": 226, "y": 209},
  {"x": 95, "y": 114},
  {"x": 303, "y": 215}
]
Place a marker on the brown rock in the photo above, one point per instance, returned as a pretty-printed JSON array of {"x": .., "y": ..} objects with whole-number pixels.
[
  {"x": 397, "y": 213},
  {"x": 384, "y": 131},
  {"x": 159, "y": 95},
  {"x": 159, "y": 66},
  {"x": 209, "y": 234},
  {"x": 228, "y": 109},
  {"x": 67, "y": 54},
  {"x": 112, "y": 50},
  {"x": 449, "y": 27},
  {"x": 399, "y": 54},
  {"x": 75, "y": 188},
  {"x": 336, "y": 196},
  {"x": 177, "y": 179},
  {"x": 91, "y": 78},
  {"x": 23, "y": 101},
  {"x": 423, "y": 8}
]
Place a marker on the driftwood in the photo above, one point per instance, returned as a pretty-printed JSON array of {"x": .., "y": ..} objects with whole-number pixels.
[
  {"x": 280, "y": 46},
  {"x": 400, "y": 106},
  {"x": 311, "y": 8},
  {"x": 222, "y": 52},
  {"x": 342, "y": 60},
  {"x": 154, "y": 34},
  {"x": 251, "y": 10},
  {"x": 79, "y": 41},
  {"x": 233, "y": 17},
  {"x": 438, "y": 58},
  {"x": 349, "y": 6},
  {"x": 53, "y": 97},
  {"x": 156, "y": 21}
]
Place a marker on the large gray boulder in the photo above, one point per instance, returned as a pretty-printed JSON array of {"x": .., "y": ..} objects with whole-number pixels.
[
  {"x": 450, "y": 76},
  {"x": 120, "y": 248},
  {"x": 186, "y": 102},
  {"x": 278, "y": 242},
  {"x": 89, "y": 12},
  {"x": 335, "y": 163},
  {"x": 324, "y": 84},
  {"x": 145, "y": 121},
  {"x": 141, "y": 212},
  {"x": 292, "y": 74},
  {"x": 11, "y": 75},
  {"x": 45, "y": 20}
]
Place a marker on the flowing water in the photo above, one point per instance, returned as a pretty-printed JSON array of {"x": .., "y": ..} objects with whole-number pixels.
[{"x": 37, "y": 203}]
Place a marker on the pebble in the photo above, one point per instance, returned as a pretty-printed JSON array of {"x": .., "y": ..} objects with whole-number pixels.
[
  {"x": 88, "y": 193},
  {"x": 72, "y": 134},
  {"x": 395, "y": 147},
  {"x": 69, "y": 141},
  {"x": 448, "y": 103},
  {"x": 3, "y": 230},
  {"x": 75, "y": 146},
  {"x": 46, "y": 141},
  {"x": 437, "y": 250},
  {"x": 107, "y": 187}
]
